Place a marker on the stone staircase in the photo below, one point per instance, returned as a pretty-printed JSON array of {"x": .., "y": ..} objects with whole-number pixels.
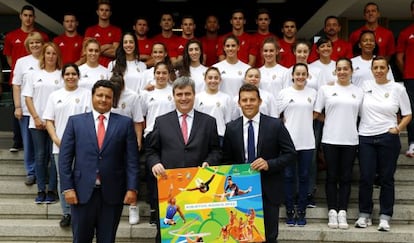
[{"x": 21, "y": 220}]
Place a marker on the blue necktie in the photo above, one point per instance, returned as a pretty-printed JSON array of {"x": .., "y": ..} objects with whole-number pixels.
[{"x": 251, "y": 154}]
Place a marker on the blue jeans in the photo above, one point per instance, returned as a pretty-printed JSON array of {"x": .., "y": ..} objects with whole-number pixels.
[
  {"x": 340, "y": 160},
  {"x": 378, "y": 154},
  {"x": 409, "y": 86},
  {"x": 65, "y": 207},
  {"x": 29, "y": 160},
  {"x": 43, "y": 155},
  {"x": 302, "y": 170}
]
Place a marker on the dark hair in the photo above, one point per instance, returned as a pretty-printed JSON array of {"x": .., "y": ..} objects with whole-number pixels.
[
  {"x": 322, "y": 41},
  {"x": 27, "y": 7},
  {"x": 331, "y": 17},
  {"x": 167, "y": 60},
  {"x": 357, "y": 49},
  {"x": 297, "y": 65},
  {"x": 262, "y": 11},
  {"x": 120, "y": 55},
  {"x": 185, "y": 67},
  {"x": 412, "y": 5},
  {"x": 119, "y": 84},
  {"x": 247, "y": 87},
  {"x": 301, "y": 41},
  {"x": 369, "y": 4},
  {"x": 183, "y": 82},
  {"x": 67, "y": 65},
  {"x": 106, "y": 84},
  {"x": 380, "y": 58},
  {"x": 346, "y": 60}
]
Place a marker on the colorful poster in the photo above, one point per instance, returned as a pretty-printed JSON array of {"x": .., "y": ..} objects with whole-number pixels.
[{"x": 213, "y": 204}]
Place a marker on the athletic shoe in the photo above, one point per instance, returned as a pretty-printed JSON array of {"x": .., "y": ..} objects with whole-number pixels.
[
  {"x": 301, "y": 220},
  {"x": 30, "y": 180},
  {"x": 153, "y": 217},
  {"x": 384, "y": 225},
  {"x": 311, "y": 201},
  {"x": 133, "y": 214},
  {"x": 65, "y": 221},
  {"x": 41, "y": 196},
  {"x": 342, "y": 222},
  {"x": 410, "y": 151},
  {"x": 333, "y": 219},
  {"x": 290, "y": 218},
  {"x": 50, "y": 197},
  {"x": 363, "y": 222}
]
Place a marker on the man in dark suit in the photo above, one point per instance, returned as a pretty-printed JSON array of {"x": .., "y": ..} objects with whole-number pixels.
[
  {"x": 170, "y": 147},
  {"x": 98, "y": 175},
  {"x": 273, "y": 150}
]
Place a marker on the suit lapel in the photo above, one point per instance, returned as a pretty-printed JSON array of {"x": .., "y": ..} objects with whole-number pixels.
[
  {"x": 176, "y": 125},
  {"x": 240, "y": 138},
  {"x": 259, "y": 137},
  {"x": 196, "y": 124},
  {"x": 91, "y": 129}
]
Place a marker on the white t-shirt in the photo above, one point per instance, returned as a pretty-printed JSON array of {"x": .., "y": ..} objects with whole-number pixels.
[
  {"x": 341, "y": 104},
  {"x": 272, "y": 79},
  {"x": 89, "y": 75},
  {"x": 297, "y": 107},
  {"x": 63, "y": 103},
  {"x": 134, "y": 74},
  {"x": 155, "y": 103},
  {"x": 380, "y": 106},
  {"x": 129, "y": 105},
  {"x": 197, "y": 74},
  {"x": 327, "y": 74},
  {"x": 22, "y": 69},
  {"x": 232, "y": 76},
  {"x": 219, "y": 106},
  {"x": 362, "y": 71}
]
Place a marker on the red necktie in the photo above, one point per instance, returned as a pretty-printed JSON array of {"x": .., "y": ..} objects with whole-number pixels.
[
  {"x": 101, "y": 130},
  {"x": 184, "y": 128}
]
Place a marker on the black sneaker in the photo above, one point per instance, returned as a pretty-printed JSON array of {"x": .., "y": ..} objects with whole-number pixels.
[
  {"x": 41, "y": 196},
  {"x": 65, "y": 221},
  {"x": 50, "y": 197},
  {"x": 153, "y": 217},
  {"x": 311, "y": 201},
  {"x": 14, "y": 148}
]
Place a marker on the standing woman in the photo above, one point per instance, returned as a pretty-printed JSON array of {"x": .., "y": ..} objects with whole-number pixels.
[
  {"x": 325, "y": 62},
  {"x": 22, "y": 69},
  {"x": 159, "y": 53},
  {"x": 39, "y": 86},
  {"x": 91, "y": 71},
  {"x": 231, "y": 68},
  {"x": 62, "y": 103},
  {"x": 297, "y": 104},
  {"x": 379, "y": 141},
  {"x": 272, "y": 72},
  {"x": 214, "y": 102},
  {"x": 192, "y": 64},
  {"x": 127, "y": 62},
  {"x": 128, "y": 104},
  {"x": 341, "y": 102}
]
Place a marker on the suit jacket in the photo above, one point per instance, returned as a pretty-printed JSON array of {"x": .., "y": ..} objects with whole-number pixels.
[
  {"x": 274, "y": 145},
  {"x": 117, "y": 162},
  {"x": 166, "y": 143}
]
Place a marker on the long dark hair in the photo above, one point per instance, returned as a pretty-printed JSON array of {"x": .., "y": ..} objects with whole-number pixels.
[{"x": 120, "y": 55}]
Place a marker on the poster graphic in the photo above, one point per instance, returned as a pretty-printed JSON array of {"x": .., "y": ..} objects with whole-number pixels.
[{"x": 213, "y": 204}]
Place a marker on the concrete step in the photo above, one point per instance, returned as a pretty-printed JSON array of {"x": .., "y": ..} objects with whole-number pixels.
[
  {"x": 48, "y": 230},
  {"x": 319, "y": 232}
]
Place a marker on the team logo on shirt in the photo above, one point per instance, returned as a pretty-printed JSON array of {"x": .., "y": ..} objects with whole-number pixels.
[
  {"x": 338, "y": 49},
  {"x": 102, "y": 76},
  {"x": 152, "y": 99},
  {"x": 218, "y": 104},
  {"x": 31, "y": 68},
  {"x": 291, "y": 101},
  {"x": 77, "y": 100},
  {"x": 123, "y": 105},
  {"x": 309, "y": 99},
  {"x": 240, "y": 72},
  {"x": 334, "y": 94},
  {"x": 56, "y": 81},
  {"x": 379, "y": 40},
  {"x": 169, "y": 98},
  {"x": 201, "y": 103},
  {"x": 138, "y": 69},
  {"x": 386, "y": 95},
  {"x": 85, "y": 76},
  {"x": 353, "y": 96},
  {"x": 110, "y": 34},
  {"x": 39, "y": 80},
  {"x": 18, "y": 41},
  {"x": 274, "y": 76},
  {"x": 97, "y": 35},
  {"x": 411, "y": 36},
  {"x": 59, "y": 101}
]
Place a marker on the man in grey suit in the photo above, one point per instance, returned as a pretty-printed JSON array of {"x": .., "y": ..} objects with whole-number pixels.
[
  {"x": 98, "y": 175},
  {"x": 273, "y": 150},
  {"x": 183, "y": 137}
]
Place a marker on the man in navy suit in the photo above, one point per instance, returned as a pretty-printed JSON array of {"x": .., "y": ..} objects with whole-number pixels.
[
  {"x": 98, "y": 180},
  {"x": 168, "y": 148},
  {"x": 273, "y": 151}
]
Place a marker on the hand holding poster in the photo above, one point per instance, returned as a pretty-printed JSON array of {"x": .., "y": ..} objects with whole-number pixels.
[{"x": 213, "y": 204}]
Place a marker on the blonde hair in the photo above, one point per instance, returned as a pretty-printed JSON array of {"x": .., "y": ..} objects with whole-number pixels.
[
  {"x": 58, "y": 53},
  {"x": 33, "y": 36}
]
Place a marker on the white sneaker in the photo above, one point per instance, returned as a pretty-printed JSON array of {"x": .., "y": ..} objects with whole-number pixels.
[
  {"x": 133, "y": 215},
  {"x": 333, "y": 219},
  {"x": 410, "y": 151},
  {"x": 363, "y": 222},
  {"x": 342, "y": 223},
  {"x": 384, "y": 225}
]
